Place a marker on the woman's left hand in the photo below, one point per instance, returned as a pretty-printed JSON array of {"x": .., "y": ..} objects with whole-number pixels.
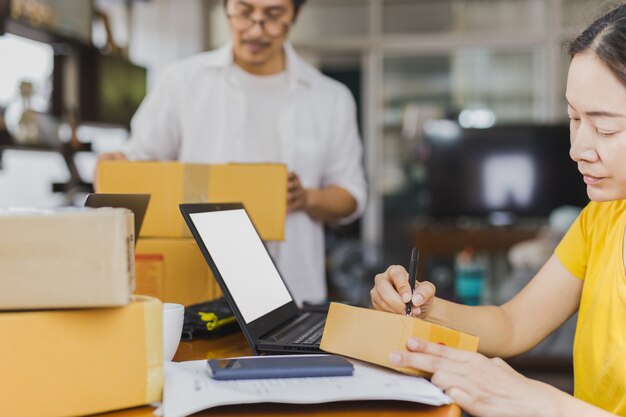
[{"x": 479, "y": 385}]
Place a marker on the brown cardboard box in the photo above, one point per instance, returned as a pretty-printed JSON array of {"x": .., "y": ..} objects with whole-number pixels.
[
  {"x": 68, "y": 258},
  {"x": 371, "y": 335},
  {"x": 262, "y": 188},
  {"x": 77, "y": 362},
  {"x": 173, "y": 270}
]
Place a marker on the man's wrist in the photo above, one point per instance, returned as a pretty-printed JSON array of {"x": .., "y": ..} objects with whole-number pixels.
[{"x": 310, "y": 200}]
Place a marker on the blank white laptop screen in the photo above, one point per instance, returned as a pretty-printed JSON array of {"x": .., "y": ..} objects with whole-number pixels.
[{"x": 243, "y": 262}]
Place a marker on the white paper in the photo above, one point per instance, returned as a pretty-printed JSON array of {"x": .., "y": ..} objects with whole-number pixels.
[{"x": 189, "y": 388}]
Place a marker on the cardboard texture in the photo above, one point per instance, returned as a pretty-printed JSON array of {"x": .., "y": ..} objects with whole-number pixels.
[
  {"x": 174, "y": 271},
  {"x": 262, "y": 188},
  {"x": 77, "y": 362},
  {"x": 371, "y": 335},
  {"x": 66, "y": 258}
]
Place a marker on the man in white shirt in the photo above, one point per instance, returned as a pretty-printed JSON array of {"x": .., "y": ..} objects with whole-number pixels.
[{"x": 255, "y": 100}]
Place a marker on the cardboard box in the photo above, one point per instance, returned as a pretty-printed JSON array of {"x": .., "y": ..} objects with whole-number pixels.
[
  {"x": 371, "y": 335},
  {"x": 77, "y": 362},
  {"x": 173, "y": 270},
  {"x": 262, "y": 188},
  {"x": 68, "y": 258}
]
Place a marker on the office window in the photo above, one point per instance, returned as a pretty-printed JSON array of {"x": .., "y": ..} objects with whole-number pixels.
[
  {"x": 24, "y": 60},
  {"x": 331, "y": 18},
  {"x": 462, "y": 16},
  {"x": 578, "y": 14},
  {"x": 475, "y": 87}
]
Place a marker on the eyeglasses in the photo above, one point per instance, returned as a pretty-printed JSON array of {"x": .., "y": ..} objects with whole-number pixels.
[{"x": 273, "y": 27}]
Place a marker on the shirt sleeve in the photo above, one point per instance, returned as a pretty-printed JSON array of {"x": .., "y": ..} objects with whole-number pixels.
[
  {"x": 344, "y": 163},
  {"x": 572, "y": 251},
  {"x": 155, "y": 133}
]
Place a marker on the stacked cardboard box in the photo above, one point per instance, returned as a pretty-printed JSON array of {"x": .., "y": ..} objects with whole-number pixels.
[
  {"x": 262, "y": 188},
  {"x": 173, "y": 270},
  {"x": 169, "y": 265},
  {"x": 91, "y": 358},
  {"x": 84, "y": 361},
  {"x": 66, "y": 258}
]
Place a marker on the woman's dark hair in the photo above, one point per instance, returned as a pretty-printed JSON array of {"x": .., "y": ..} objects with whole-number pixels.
[
  {"x": 297, "y": 4},
  {"x": 606, "y": 37}
]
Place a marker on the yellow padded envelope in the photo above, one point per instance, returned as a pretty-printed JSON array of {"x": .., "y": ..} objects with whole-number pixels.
[
  {"x": 76, "y": 362},
  {"x": 371, "y": 335}
]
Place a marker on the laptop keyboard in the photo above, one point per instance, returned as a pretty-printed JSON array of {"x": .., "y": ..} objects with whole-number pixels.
[
  {"x": 311, "y": 336},
  {"x": 307, "y": 330}
]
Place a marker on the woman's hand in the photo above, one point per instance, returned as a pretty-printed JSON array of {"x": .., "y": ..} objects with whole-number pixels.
[
  {"x": 479, "y": 385},
  {"x": 391, "y": 292}
]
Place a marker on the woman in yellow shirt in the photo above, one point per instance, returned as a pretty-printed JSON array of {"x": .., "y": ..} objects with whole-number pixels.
[{"x": 586, "y": 273}]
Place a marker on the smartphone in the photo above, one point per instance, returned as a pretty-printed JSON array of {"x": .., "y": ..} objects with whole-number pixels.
[{"x": 279, "y": 366}]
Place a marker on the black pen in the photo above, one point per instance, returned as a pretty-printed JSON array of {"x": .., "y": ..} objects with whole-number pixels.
[{"x": 412, "y": 277}]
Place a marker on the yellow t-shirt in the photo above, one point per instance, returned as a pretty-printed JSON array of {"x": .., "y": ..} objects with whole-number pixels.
[{"x": 592, "y": 250}]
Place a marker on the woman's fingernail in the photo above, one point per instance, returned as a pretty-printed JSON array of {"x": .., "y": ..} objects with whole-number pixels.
[
  {"x": 395, "y": 358},
  {"x": 406, "y": 297},
  {"x": 418, "y": 299},
  {"x": 412, "y": 344}
]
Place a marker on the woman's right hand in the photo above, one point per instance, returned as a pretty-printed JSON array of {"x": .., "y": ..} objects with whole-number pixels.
[{"x": 391, "y": 292}]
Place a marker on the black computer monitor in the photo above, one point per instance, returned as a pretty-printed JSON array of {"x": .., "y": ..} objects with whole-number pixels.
[{"x": 522, "y": 170}]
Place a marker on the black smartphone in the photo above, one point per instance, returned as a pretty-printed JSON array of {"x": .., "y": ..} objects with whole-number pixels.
[{"x": 279, "y": 366}]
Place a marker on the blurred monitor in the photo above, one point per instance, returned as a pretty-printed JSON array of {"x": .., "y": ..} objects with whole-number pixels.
[
  {"x": 111, "y": 88},
  {"x": 137, "y": 203},
  {"x": 525, "y": 171}
]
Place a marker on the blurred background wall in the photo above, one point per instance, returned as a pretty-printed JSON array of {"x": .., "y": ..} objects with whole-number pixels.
[{"x": 452, "y": 95}]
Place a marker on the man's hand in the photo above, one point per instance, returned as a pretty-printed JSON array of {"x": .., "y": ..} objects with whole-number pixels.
[
  {"x": 391, "y": 292},
  {"x": 296, "y": 194},
  {"x": 321, "y": 204},
  {"x": 112, "y": 156}
]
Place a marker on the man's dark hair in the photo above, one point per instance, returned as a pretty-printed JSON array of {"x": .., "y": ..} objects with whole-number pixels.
[
  {"x": 606, "y": 37},
  {"x": 297, "y": 4}
]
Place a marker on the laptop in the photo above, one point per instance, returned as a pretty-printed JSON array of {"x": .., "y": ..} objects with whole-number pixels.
[
  {"x": 137, "y": 203},
  {"x": 264, "y": 307}
]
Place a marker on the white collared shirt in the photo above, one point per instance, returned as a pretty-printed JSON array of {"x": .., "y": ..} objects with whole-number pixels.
[{"x": 198, "y": 113}]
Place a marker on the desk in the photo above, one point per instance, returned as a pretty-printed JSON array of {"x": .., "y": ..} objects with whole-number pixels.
[{"x": 235, "y": 345}]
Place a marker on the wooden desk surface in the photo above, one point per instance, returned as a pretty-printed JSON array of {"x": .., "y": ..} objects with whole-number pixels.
[{"x": 235, "y": 345}]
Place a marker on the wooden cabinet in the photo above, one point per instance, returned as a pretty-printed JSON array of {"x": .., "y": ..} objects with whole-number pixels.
[{"x": 449, "y": 240}]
